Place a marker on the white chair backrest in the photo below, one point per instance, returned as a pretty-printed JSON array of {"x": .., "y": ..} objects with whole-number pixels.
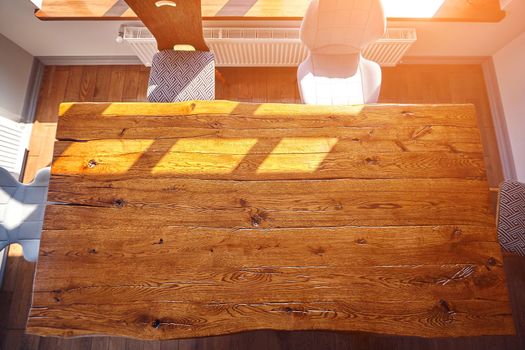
[{"x": 342, "y": 26}]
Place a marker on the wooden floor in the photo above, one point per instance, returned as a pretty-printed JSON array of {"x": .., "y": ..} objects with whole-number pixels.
[{"x": 402, "y": 84}]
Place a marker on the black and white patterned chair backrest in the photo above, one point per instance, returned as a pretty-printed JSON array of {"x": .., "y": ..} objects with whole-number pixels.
[
  {"x": 511, "y": 217},
  {"x": 178, "y": 76}
]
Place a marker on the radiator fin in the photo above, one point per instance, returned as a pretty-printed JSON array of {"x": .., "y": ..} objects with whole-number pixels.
[
  {"x": 277, "y": 47},
  {"x": 13, "y": 139}
]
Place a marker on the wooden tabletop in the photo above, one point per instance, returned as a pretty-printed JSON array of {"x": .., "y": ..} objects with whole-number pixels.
[
  {"x": 435, "y": 10},
  {"x": 204, "y": 218}
]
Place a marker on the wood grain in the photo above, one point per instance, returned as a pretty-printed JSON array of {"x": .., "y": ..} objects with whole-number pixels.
[
  {"x": 268, "y": 203},
  {"x": 172, "y": 25},
  {"x": 450, "y": 10},
  {"x": 202, "y": 218},
  {"x": 404, "y": 83}
]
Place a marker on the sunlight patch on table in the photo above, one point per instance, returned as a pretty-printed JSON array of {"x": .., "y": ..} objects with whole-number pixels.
[
  {"x": 297, "y": 155},
  {"x": 204, "y": 156},
  {"x": 101, "y": 157}
]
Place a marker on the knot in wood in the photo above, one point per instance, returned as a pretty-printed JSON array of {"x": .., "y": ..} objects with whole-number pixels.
[
  {"x": 492, "y": 261},
  {"x": 445, "y": 306},
  {"x": 92, "y": 163},
  {"x": 256, "y": 220},
  {"x": 371, "y": 161},
  {"x": 119, "y": 203},
  {"x": 156, "y": 324}
]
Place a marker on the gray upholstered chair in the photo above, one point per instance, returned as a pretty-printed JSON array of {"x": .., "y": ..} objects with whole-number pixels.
[
  {"x": 178, "y": 76},
  {"x": 511, "y": 217},
  {"x": 22, "y": 211}
]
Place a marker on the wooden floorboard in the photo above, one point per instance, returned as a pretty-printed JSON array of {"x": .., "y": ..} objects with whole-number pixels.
[{"x": 401, "y": 84}]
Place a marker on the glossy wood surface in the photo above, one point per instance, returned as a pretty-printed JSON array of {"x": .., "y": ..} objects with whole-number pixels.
[
  {"x": 449, "y": 10},
  {"x": 206, "y": 218}
]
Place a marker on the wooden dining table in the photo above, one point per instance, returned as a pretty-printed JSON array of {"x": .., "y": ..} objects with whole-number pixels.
[
  {"x": 205, "y": 218},
  {"x": 213, "y": 10}
]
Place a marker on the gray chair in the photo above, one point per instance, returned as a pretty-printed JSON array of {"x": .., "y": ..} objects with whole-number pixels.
[
  {"x": 22, "y": 211},
  {"x": 511, "y": 217},
  {"x": 178, "y": 76}
]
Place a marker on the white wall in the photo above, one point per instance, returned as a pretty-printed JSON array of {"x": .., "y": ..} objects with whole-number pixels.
[
  {"x": 509, "y": 63},
  {"x": 15, "y": 71},
  {"x": 58, "y": 38},
  {"x": 97, "y": 38}
]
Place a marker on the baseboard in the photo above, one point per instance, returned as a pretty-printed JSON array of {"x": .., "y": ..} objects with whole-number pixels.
[
  {"x": 444, "y": 59},
  {"x": 88, "y": 60},
  {"x": 498, "y": 119},
  {"x": 3, "y": 263},
  {"x": 134, "y": 60},
  {"x": 33, "y": 89}
]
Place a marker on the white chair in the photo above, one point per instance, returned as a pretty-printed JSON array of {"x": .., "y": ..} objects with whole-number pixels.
[
  {"x": 22, "y": 211},
  {"x": 335, "y": 32}
]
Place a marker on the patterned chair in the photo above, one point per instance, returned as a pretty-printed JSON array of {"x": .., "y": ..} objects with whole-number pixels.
[
  {"x": 511, "y": 217},
  {"x": 178, "y": 76},
  {"x": 22, "y": 211}
]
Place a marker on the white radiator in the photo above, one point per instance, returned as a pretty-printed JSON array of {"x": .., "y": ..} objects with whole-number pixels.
[
  {"x": 14, "y": 138},
  {"x": 279, "y": 47}
]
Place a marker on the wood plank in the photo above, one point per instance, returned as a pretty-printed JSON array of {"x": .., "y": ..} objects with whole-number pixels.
[
  {"x": 450, "y": 10},
  {"x": 161, "y": 321},
  {"x": 449, "y": 262},
  {"x": 88, "y": 84},
  {"x": 74, "y": 84},
  {"x": 317, "y": 284},
  {"x": 168, "y": 201},
  {"x": 116, "y": 83},
  {"x": 103, "y": 83},
  {"x": 131, "y": 84},
  {"x": 235, "y": 115},
  {"x": 325, "y": 165}
]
